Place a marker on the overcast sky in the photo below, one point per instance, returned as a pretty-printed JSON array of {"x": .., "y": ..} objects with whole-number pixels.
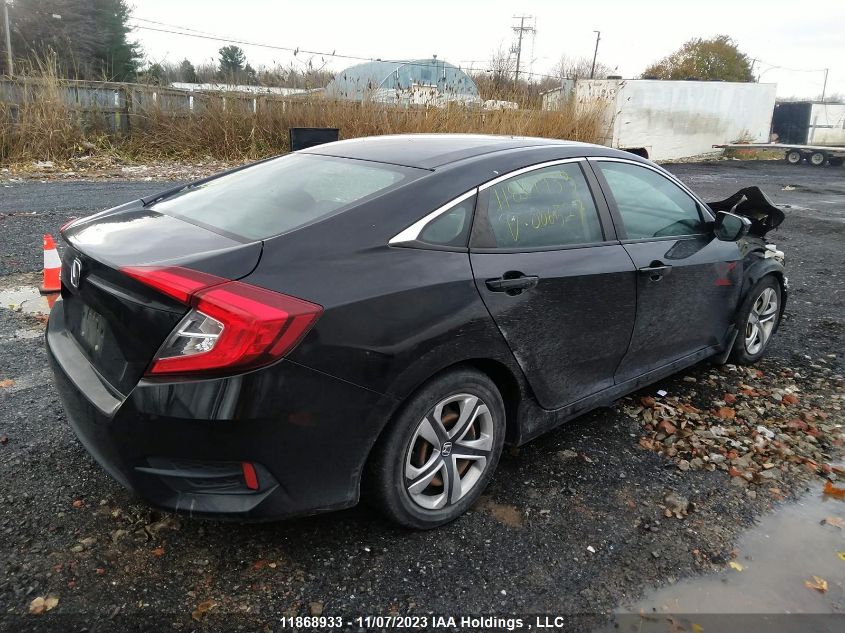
[{"x": 791, "y": 40}]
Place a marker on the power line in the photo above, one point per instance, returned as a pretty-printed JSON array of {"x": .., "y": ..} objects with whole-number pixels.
[{"x": 188, "y": 32}]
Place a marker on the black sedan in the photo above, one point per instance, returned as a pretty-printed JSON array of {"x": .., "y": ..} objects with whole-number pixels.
[{"x": 379, "y": 316}]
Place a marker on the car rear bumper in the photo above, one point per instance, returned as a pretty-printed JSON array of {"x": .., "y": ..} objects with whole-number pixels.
[{"x": 181, "y": 445}]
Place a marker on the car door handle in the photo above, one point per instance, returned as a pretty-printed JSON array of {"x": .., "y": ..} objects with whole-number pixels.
[
  {"x": 656, "y": 270},
  {"x": 512, "y": 284}
]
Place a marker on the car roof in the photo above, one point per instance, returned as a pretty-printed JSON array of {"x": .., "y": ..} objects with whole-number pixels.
[{"x": 429, "y": 151}]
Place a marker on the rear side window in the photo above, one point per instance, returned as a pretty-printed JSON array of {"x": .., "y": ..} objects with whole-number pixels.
[
  {"x": 651, "y": 205},
  {"x": 282, "y": 194},
  {"x": 451, "y": 228},
  {"x": 546, "y": 207}
]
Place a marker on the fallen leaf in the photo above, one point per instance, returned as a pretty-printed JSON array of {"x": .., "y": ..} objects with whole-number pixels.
[
  {"x": 158, "y": 552},
  {"x": 664, "y": 426},
  {"x": 647, "y": 443},
  {"x": 79, "y": 503},
  {"x": 41, "y": 604},
  {"x": 4, "y": 439},
  {"x": 833, "y": 491},
  {"x": 697, "y": 628},
  {"x": 6, "y": 382},
  {"x": 735, "y": 565},
  {"x": 790, "y": 399},
  {"x": 726, "y": 413},
  {"x": 202, "y": 609},
  {"x": 647, "y": 401},
  {"x": 819, "y": 584},
  {"x": 835, "y": 522},
  {"x": 841, "y": 555}
]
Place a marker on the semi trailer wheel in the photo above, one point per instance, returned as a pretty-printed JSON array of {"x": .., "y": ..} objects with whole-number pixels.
[
  {"x": 794, "y": 157},
  {"x": 817, "y": 159}
]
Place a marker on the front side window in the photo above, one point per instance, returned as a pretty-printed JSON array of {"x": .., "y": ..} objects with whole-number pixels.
[
  {"x": 546, "y": 207},
  {"x": 651, "y": 205},
  {"x": 280, "y": 195}
]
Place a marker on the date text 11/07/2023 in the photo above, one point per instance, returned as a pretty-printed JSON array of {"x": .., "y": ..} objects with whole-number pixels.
[{"x": 417, "y": 622}]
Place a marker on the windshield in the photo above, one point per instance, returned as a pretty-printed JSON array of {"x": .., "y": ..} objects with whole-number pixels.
[{"x": 280, "y": 195}]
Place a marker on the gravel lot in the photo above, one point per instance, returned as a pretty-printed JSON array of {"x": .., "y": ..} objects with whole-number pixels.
[{"x": 574, "y": 523}]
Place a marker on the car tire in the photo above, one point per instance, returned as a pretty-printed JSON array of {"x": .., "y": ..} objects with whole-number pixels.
[
  {"x": 399, "y": 480},
  {"x": 757, "y": 321}
]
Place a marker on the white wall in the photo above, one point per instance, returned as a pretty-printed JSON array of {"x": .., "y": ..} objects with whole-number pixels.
[
  {"x": 677, "y": 119},
  {"x": 827, "y": 124}
]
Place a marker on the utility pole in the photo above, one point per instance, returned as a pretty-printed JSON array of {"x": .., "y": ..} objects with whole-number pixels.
[
  {"x": 824, "y": 85},
  {"x": 595, "y": 54},
  {"x": 520, "y": 30},
  {"x": 8, "y": 39}
]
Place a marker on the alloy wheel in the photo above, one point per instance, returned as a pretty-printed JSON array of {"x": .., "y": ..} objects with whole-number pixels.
[
  {"x": 449, "y": 451},
  {"x": 761, "y": 321}
]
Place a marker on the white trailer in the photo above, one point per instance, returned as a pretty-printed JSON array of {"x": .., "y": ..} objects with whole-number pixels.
[
  {"x": 816, "y": 155},
  {"x": 673, "y": 119}
]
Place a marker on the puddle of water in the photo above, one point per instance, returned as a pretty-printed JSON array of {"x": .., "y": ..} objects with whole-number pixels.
[
  {"x": 28, "y": 299},
  {"x": 787, "y": 548}
]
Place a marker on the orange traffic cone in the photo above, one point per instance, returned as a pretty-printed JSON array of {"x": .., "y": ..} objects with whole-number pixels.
[{"x": 52, "y": 267}]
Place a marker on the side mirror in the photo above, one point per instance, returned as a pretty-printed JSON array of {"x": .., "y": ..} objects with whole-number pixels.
[{"x": 730, "y": 227}]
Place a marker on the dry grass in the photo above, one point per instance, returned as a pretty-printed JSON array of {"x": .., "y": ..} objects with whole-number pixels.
[{"x": 43, "y": 127}]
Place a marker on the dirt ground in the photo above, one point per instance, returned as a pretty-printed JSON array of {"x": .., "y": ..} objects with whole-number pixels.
[{"x": 574, "y": 523}]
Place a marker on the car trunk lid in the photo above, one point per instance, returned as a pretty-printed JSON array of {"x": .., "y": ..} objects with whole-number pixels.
[{"x": 118, "y": 322}]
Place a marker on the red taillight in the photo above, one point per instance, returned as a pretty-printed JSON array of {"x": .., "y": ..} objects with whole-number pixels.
[
  {"x": 176, "y": 282},
  {"x": 233, "y": 326}
]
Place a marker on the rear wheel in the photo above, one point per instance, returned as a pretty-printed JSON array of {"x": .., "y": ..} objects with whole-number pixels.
[
  {"x": 757, "y": 321},
  {"x": 440, "y": 452},
  {"x": 793, "y": 157},
  {"x": 817, "y": 159}
]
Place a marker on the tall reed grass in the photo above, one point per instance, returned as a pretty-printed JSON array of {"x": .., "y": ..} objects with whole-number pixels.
[{"x": 234, "y": 127}]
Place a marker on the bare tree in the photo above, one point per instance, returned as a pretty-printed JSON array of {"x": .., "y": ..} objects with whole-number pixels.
[
  {"x": 579, "y": 68},
  {"x": 502, "y": 67}
]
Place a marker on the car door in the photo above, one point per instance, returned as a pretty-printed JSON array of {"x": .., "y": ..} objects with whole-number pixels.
[
  {"x": 558, "y": 284},
  {"x": 688, "y": 282}
]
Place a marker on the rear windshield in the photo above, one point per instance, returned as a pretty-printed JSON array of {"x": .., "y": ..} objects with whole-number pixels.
[{"x": 282, "y": 194}]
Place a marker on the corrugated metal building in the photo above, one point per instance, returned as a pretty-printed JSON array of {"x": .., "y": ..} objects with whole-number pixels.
[{"x": 412, "y": 82}]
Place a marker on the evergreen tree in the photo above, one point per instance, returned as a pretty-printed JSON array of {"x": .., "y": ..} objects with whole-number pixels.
[
  {"x": 232, "y": 61},
  {"x": 89, "y": 39},
  {"x": 187, "y": 72},
  {"x": 118, "y": 57}
]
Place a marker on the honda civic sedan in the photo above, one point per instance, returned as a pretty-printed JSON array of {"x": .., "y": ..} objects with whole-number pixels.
[{"x": 376, "y": 317}]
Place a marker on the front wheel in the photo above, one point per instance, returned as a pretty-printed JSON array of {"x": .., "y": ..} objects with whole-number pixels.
[
  {"x": 439, "y": 453},
  {"x": 757, "y": 321}
]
